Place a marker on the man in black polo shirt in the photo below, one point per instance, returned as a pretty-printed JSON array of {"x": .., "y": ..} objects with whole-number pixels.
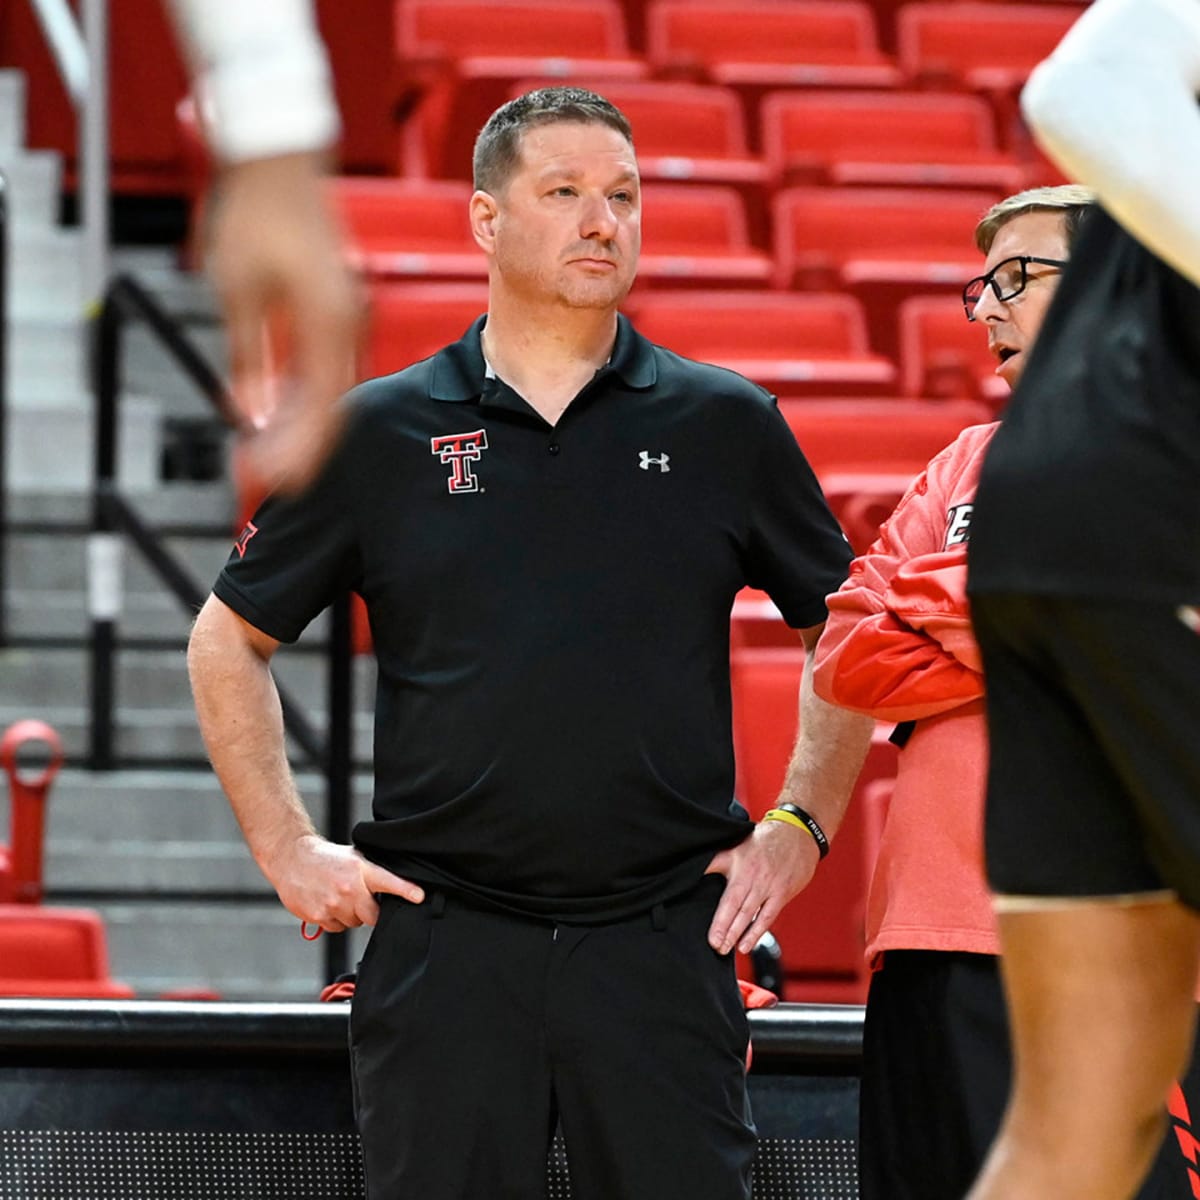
[
  {"x": 1084, "y": 580},
  {"x": 548, "y": 521}
]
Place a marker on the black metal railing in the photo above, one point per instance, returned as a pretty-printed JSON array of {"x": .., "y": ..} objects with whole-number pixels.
[{"x": 114, "y": 520}]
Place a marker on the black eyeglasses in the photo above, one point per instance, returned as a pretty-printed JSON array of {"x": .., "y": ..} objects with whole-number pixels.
[{"x": 1006, "y": 279}]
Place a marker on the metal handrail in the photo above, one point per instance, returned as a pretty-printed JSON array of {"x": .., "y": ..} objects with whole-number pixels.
[
  {"x": 82, "y": 61},
  {"x": 114, "y": 517}
]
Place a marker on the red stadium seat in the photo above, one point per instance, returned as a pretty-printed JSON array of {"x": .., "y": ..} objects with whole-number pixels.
[
  {"x": 55, "y": 952},
  {"x": 407, "y": 322},
  {"x": 697, "y": 235},
  {"x": 821, "y": 931},
  {"x": 892, "y": 436},
  {"x": 943, "y": 356},
  {"x": 885, "y": 139},
  {"x": 417, "y": 229},
  {"x": 989, "y": 48},
  {"x": 466, "y": 55},
  {"x": 883, "y": 244},
  {"x": 768, "y": 43},
  {"x": 983, "y": 46},
  {"x": 866, "y": 452},
  {"x": 790, "y": 343}
]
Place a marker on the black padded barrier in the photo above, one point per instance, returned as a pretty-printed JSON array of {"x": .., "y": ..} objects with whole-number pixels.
[{"x": 157, "y": 1100}]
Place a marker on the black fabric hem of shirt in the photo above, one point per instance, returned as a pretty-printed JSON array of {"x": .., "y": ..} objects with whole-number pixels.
[
  {"x": 565, "y": 910},
  {"x": 816, "y": 612},
  {"x": 233, "y": 597}
]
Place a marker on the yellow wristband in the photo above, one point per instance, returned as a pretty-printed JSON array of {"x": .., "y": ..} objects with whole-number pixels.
[{"x": 777, "y": 814}]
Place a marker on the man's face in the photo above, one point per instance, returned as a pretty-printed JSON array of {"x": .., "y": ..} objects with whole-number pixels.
[
  {"x": 1013, "y": 325},
  {"x": 567, "y": 227}
]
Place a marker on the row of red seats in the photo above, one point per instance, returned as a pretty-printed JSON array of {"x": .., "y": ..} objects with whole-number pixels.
[
  {"x": 793, "y": 343},
  {"x": 461, "y": 58}
]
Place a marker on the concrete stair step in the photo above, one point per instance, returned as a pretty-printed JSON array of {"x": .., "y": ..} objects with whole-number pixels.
[
  {"x": 156, "y": 679},
  {"x": 158, "y": 735},
  {"x": 174, "y": 503},
  {"x": 146, "y": 808},
  {"x": 12, "y": 111},
  {"x": 34, "y": 180},
  {"x": 42, "y": 562},
  {"x": 43, "y": 353},
  {"x": 51, "y": 446},
  {"x": 244, "y": 952}
]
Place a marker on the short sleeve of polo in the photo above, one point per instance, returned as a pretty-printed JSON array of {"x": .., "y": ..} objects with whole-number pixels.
[
  {"x": 796, "y": 552},
  {"x": 296, "y": 555}
]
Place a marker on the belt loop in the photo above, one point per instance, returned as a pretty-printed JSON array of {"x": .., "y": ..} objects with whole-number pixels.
[
  {"x": 658, "y": 918},
  {"x": 437, "y": 904}
]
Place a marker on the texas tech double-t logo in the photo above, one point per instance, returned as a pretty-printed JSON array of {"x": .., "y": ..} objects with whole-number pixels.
[{"x": 459, "y": 451}]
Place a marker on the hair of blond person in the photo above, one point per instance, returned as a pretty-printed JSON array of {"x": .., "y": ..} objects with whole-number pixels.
[
  {"x": 1073, "y": 200},
  {"x": 498, "y": 147}
]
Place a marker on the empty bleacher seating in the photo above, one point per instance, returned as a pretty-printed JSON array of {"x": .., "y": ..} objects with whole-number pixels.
[
  {"x": 820, "y": 932},
  {"x": 407, "y": 322},
  {"x": 55, "y": 952},
  {"x": 466, "y": 54},
  {"x": 409, "y": 228},
  {"x": 885, "y": 139},
  {"x": 759, "y": 44},
  {"x": 792, "y": 344},
  {"x": 883, "y": 244},
  {"x": 944, "y": 356},
  {"x": 698, "y": 235}
]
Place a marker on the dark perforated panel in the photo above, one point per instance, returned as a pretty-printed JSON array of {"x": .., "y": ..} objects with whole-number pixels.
[{"x": 63, "y": 1165}]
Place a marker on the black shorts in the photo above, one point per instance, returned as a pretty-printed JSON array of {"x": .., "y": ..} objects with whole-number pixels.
[
  {"x": 1094, "y": 725},
  {"x": 936, "y": 1075},
  {"x": 474, "y": 1032}
]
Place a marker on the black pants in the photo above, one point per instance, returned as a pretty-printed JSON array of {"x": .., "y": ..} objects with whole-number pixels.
[
  {"x": 473, "y": 1032},
  {"x": 936, "y": 1071}
]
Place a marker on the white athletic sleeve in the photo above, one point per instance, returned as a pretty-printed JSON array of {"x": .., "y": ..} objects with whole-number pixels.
[
  {"x": 262, "y": 74},
  {"x": 1116, "y": 107}
]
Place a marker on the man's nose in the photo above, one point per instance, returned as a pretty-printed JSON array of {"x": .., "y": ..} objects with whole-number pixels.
[
  {"x": 599, "y": 220},
  {"x": 987, "y": 306}
]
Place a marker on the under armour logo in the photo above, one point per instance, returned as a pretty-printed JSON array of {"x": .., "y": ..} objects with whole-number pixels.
[
  {"x": 662, "y": 462},
  {"x": 460, "y": 450}
]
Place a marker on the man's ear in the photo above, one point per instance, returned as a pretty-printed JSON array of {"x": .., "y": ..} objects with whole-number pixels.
[{"x": 483, "y": 213}]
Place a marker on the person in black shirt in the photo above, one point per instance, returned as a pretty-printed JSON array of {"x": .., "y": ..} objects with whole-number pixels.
[
  {"x": 548, "y": 521},
  {"x": 1084, "y": 574}
]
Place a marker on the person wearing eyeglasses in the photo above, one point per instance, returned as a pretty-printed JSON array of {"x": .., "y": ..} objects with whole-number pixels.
[
  {"x": 1084, "y": 579},
  {"x": 898, "y": 647}
]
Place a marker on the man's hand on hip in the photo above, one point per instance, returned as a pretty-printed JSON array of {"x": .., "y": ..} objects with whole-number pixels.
[
  {"x": 762, "y": 874},
  {"x": 333, "y": 886}
]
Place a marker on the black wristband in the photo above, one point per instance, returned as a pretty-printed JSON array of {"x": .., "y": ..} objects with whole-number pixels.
[{"x": 810, "y": 823}]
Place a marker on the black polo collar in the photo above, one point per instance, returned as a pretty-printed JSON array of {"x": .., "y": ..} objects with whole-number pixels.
[{"x": 458, "y": 371}]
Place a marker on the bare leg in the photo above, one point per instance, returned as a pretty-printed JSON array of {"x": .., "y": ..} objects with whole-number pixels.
[{"x": 1102, "y": 1001}]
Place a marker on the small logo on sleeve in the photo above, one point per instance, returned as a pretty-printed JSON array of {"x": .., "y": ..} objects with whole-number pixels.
[
  {"x": 646, "y": 461},
  {"x": 459, "y": 451},
  {"x": 958, "y": 525},
  {"x": 243, "y": 539}
]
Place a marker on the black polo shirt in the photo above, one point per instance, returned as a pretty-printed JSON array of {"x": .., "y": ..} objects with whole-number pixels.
[{"x": 550, "y": 609}]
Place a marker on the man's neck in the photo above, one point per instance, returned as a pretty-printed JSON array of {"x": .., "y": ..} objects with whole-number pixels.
[{"x": 548, "y": 361}]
